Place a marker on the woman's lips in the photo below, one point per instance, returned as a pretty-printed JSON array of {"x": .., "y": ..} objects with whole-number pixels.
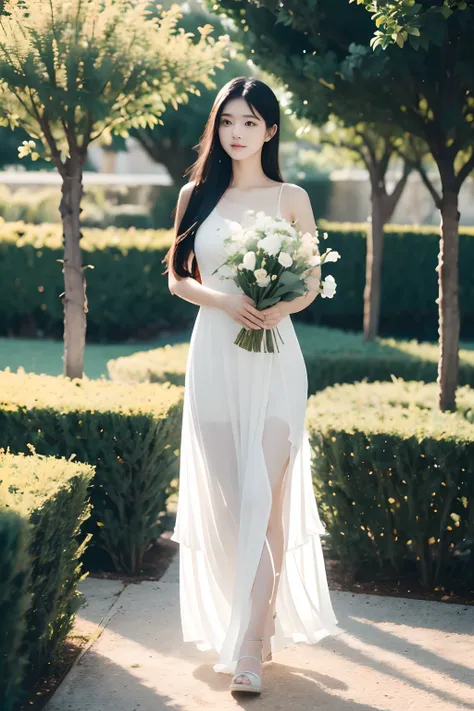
[{"x": 236, "y": 145}]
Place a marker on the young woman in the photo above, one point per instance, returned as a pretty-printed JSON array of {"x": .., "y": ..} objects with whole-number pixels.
[{"x": 252, "y": 575}]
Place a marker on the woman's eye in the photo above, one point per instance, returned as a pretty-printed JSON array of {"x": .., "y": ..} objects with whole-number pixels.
[{"x": 223, "y": 121}]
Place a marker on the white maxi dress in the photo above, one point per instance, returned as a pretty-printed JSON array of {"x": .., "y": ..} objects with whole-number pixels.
[{"x": 225, "y": 494}]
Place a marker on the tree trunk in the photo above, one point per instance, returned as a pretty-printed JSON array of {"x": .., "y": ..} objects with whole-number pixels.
[
  {"x": 75, "y": 301},
  {"x": 383, "y": 206},
  {"x": 373, "y": 267},
  {"x": 170, "y": 153},
  {"x": 448, "y": 304}
]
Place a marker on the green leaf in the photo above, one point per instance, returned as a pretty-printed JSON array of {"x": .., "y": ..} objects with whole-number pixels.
[
  {"x": 288, "y": 277},
  {"x": 268, "y": 301},
  {"x": 445, "y": 11},
  {"x": 413, "y": 31},
  {"x": 399, "y": 39}
]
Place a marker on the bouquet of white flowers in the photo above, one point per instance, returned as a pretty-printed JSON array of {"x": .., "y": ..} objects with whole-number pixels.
[{"x": 271, "y": 261}]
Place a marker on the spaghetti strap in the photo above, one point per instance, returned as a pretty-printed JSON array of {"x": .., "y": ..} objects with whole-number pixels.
[{"x": 279, "y": 200}]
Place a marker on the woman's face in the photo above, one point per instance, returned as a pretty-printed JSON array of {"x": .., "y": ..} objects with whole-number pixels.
[{"x": 238, "y": 126}]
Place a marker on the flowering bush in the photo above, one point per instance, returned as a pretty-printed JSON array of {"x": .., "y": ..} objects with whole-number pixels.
[{"x": 272, "y": 261}]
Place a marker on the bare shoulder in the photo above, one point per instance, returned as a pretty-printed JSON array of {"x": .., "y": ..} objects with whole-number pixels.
[
  {"x": 183, "y": 200},
  {"x": 186, "y": 190},
  {"x": 295, "y": 202},
  {"x": 294, "y": 189}
]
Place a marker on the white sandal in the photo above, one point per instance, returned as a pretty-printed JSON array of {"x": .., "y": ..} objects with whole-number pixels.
[{"x": 253, "y": 687}]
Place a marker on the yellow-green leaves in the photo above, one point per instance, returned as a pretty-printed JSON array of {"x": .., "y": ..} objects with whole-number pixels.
[
  {"x": 397, "y": 20},
  {"x": 73, "y": 71}
]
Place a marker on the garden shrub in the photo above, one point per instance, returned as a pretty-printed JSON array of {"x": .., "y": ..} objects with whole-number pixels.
[
  {"x": 43, "y": 502},
  {"x": 331, "y": 356},
  {"x": 131, "y": 434},
  {"x": 128, "y": 294},
  {"x": 394, "y": 478}
]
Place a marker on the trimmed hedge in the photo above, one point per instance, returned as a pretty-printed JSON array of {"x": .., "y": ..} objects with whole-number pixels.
[
  {"x": 131, "y": 434},
  {"x": 129, "y": 297},
  {"x": 43, "y": 502},
  {"x": 394, "y": 478},
  {"x": 409, "y": 281},
  {"x": 127, "y": 294},
  {"x": 331, "y": 356}
]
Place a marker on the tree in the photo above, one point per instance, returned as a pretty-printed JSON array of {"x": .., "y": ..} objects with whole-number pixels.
[
  {"x": 173, "y": 142},
  {"x": 72, "y": 72},
  {"x": 298, "y": 54},
  {"x": 431, "y": 95},
  {"x": 427, "y": 94},
  {"x": 402, "y": 20},
  {"x": 374, "y": 151}
]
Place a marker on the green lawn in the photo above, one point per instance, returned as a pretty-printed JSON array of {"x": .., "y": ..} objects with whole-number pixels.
[{"x": 46, "y": 356}]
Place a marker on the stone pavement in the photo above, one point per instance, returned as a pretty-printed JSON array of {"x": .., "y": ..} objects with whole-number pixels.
[{"x": 395, "y": 654}]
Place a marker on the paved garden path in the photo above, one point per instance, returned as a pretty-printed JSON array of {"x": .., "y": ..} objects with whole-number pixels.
[{"x": 395, "y": 654}]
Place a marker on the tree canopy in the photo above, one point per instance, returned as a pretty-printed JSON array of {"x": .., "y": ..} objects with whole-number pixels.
[{"x": 418, "y": 22}]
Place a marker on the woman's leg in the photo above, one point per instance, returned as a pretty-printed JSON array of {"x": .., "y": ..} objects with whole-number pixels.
[{"x": 263, "y": 596}]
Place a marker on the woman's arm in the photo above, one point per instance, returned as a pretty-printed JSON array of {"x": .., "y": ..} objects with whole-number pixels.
[
  {"x": 297, "y": 205},
  {"x": 189, "y": 288}
]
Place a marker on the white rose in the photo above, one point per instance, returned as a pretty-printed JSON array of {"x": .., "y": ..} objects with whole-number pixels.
[
  {"x": 263, "y": 221},
  {"x": 234, "y": 227},
  {"x": 249, "y": 261},
  {"x": 329, "y": 287},
  {"x": 315, "y": 260},
  {"x": 277, "y": 230},
  {"x": 249, "y": 236},
  {"x": 271, "y": 244},
  {"x": 289, "y": 230},
  {"x": 284, "y": 259},
  {"x": 305, "y": 251},
  {"x": 262, "y": 277},
  {"x": 332, "y": 256}
]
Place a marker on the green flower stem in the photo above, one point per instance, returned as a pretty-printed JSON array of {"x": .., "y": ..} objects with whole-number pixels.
[{"x": 251, "y": 340}]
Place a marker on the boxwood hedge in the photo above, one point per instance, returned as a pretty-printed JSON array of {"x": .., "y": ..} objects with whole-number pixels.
[
  {"x": 331, "y": 356},
  {"x": 131, "y": 434},
  {"x": 128, "y": 295},
  {"x": 43, "y": 502},
  {"x": 394, "y": 478}
]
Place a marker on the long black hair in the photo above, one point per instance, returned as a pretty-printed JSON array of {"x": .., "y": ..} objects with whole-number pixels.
[{"x": 212, "y": 171}]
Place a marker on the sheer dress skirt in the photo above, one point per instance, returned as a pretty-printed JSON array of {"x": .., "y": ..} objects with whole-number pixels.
[{"x": 243, "y": 420}]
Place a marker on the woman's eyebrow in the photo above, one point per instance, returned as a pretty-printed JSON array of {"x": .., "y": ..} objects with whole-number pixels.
[{"x": 244, "y": 115}]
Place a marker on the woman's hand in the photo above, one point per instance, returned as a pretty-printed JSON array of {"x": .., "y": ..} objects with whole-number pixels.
[
  {"x": 241, "y": 308},
  {"x": 273, "y": 315}
]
